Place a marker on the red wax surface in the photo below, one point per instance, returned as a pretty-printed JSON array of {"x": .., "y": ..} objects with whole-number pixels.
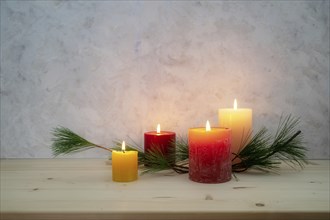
[
  {"x": 209, "y": 155},
  {"x": 164, "y": 140}
]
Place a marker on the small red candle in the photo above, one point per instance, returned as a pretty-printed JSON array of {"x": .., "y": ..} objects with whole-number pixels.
[
  {"x": 209, "y": 154},
  {"x": 163, "y": 140}
]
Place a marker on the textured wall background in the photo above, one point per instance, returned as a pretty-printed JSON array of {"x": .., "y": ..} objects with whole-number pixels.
[{"x": 111, "y": 70}]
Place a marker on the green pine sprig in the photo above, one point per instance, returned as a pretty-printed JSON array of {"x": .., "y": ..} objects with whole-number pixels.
[
  {"x": 265, "y": 153},
  {"x": 155, "y": 160},
  {"x": 262, "y": 151},
  {"x": 182, "y": 152},
  {"x": 65, "y": 142}
]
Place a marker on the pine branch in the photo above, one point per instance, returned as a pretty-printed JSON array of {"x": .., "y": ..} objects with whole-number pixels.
[
  {"x": 254, "y": 153},
  {"x": 155, "y": 160},
  {"x": 262, "y": 153},
  {"x": 65, "y": 142},
  {"x": 182, "y": 151}
]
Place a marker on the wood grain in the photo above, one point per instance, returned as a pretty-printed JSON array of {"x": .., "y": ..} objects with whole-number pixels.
[{"x": 83, "y": 189}]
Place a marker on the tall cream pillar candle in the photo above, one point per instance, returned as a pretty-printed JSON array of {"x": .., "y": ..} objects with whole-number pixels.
[{"x": 239, "y": 120}]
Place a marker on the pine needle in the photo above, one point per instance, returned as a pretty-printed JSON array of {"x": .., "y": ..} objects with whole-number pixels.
[
  {"x": 65, "y": 142},
  {"x": 155, "y": 160},
  {"x": 182, "y": 151},
  {"x": 265, "y": 153}
]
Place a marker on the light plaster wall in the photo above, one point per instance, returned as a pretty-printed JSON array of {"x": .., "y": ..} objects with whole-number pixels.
[{"x": 114, "y": 69}]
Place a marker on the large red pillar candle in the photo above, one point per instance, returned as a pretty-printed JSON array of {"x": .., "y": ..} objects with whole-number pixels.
[
  {"x": 209, "y": 154},
  {"x": 163, "y": 140}
]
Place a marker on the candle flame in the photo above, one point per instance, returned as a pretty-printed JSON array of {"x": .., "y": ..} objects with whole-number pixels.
[
  {"x": 208, "y": 127},
  {"x": 158, "y": 129},
  {"x": 123, "y": 147},
  {"x": 235, "y": 104}
]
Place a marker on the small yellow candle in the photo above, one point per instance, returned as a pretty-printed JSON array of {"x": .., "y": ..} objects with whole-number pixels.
[
  {"x": 239, "y": 120},
  {"x": 124, "y": 165}
]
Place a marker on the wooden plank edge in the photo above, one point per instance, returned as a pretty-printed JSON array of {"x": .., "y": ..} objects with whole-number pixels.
[{"x": 167, "y": 216}]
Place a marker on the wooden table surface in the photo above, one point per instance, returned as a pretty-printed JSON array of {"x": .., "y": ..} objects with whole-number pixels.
[{"x": 83, "y": 189}]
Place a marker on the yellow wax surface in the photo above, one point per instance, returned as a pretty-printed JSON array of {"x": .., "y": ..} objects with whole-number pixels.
[
  {"x": 240, "y": 122},
  {"x": 203, "y": 137},
  {"x": 124, "y": 166}
]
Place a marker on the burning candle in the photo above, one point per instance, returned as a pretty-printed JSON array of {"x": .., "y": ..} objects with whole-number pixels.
[
  {"x": 209, "y": 154},
  {"x": 158, "y": 140},
  {"x": 239, "y": 120},
  {"x": 124, "y": 165}
]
